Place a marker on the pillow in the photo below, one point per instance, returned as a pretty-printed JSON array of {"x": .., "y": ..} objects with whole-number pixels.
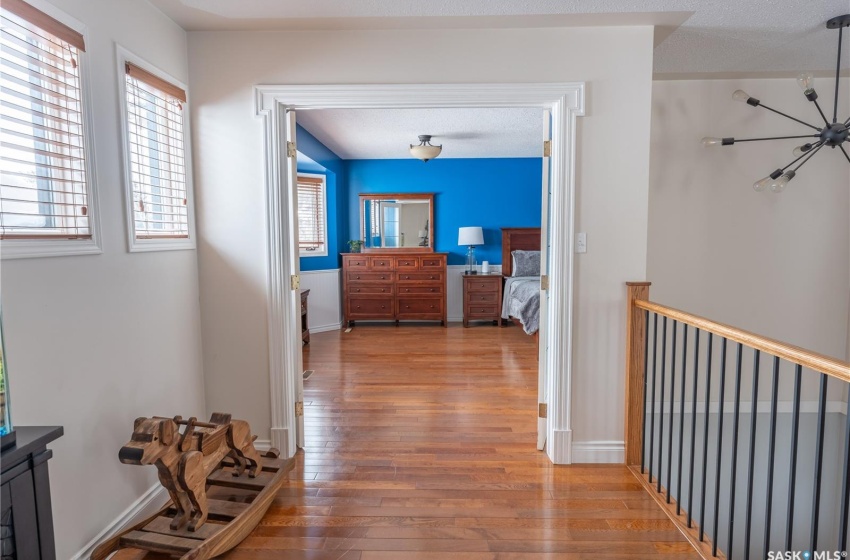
[{"x": 526, "y": 263}]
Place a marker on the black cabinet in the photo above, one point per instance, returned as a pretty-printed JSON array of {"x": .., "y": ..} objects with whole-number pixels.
[{"x": 26, "y": 519}]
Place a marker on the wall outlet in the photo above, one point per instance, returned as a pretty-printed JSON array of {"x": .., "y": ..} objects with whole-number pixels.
[{"x": 581, "y": 242}]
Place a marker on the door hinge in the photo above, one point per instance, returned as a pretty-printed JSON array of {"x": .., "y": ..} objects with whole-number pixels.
[
  {"x": 299, "y": 408},
  {"x": 547, "y": 148},
  {"x": 294, "y": 282},
  {"x": 291, "y": 149},
  {"x": 544, "y": 282},
  {"x": 541, "y": 410}
]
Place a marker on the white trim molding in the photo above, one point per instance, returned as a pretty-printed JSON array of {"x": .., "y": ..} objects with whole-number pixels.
[
  {"x": 599, "y": 452},
  {"x": 564, "y": 100},
  {"x": 150, "y": 502}
]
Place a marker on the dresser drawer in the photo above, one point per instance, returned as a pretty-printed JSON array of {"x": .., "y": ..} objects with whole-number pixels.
[
  {"x": 407, "y": 263},
  {"x": 421, "y": 290},
  {"x": 370, "y": 289},
  {"x": 370, "y": 307},
  {"x": 483, "y": 285},
  {"x": 432, "y": 263},
  {"x": 476, "y": 298},
  {"x": 354, "y": 277},
  {"x": 357, "y": 263},
  {"x": 419, "y": 306},
  {"x": 381, "y": 263},
  {"x": 420, "y": 277},
  {"x": 484, "y": 310}
]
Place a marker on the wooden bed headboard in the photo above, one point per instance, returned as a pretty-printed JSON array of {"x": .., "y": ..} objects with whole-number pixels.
[{"x": 518, "y": 239}]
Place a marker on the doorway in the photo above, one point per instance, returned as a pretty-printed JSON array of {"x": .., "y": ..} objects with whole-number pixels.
[{"x": 278, "y": 105}]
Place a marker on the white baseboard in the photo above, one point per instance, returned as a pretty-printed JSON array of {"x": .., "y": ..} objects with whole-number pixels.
[
  {"x": 599, "y": 452},
  {"x": 262, "y": 444},
  {"x": 150, "y": 502},
  {"x": 326, "y": 328}
]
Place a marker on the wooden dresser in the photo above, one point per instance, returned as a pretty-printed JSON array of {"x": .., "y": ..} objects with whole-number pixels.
[{"x": 394, "y": 286}]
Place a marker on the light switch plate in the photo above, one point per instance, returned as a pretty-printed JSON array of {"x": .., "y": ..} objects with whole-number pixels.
[{"x": 581, "y": 242}]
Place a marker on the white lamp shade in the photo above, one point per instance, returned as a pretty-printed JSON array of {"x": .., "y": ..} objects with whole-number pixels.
[
  {"x": 423, "y": 233},
  {"x": 425, "y": 152},
  {"x": 470, "y": 236}
]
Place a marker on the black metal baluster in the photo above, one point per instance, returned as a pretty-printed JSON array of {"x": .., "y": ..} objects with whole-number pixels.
[
  {"x": 824, "y": 381},
  {"x": 693, "y": 431},
  {"x": 751, "y": 471},
  {"x": 654, "y": 369},
  {"x": 661, "y": 404},
  {"x": 705, "y": 439},
  {"x": 771, "y": 452},
  {"x": 845, "y": 486},
  {"x": 645, "y": 387},
  {"x": 719, "y": 448},
  {"x": 672, "y": 397},
  {"x": 792, "y": 472},
  {"x": 732, "y": 476},
  {"x": 682, "y": 419}
]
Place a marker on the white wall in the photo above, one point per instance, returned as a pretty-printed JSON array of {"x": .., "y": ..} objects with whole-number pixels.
[
  {"x": 612, "y": 179},
  {"x": 778, "y": 265},
  {"x": 95, "y": 341},
  {"x": 324, "y": 303}
]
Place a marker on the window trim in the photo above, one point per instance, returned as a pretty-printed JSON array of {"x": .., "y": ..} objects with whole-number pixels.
[
  {"x": 324, "y": 179},
  {"x": 135, "y": 245},
  {"x": 37, "y": 248}
]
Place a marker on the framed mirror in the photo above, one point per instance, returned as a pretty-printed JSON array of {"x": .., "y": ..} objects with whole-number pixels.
[{"x": 401, "y": 222}]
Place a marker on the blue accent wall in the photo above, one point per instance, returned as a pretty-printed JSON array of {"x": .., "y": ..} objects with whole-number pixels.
[
  {"x": 315, "y": 157},
  {"x": 491, "y": 193}
]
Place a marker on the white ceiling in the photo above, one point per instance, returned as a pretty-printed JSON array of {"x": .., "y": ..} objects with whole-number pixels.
[
  {"x": 464, "y": 133},
  {"x": 721, "y": 37}
]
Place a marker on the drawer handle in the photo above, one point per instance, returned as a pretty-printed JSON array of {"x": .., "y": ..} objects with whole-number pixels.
[
  {"x": 358, "y": 278},
  {"x": 432, "y": 307},
  {"x": 380, "y": 263},
  {"x": 357, "y": 289},
  {"x": 407, "y": 289},
  {"x": 431, "y": 278},
  {"x": 407, "y": 307},
  {"x": 407, "y": 277},
  {"x": 482, "y": 311},
  {"x": 432, "y": 289},
  {"x": 483, "y": 298},
  {"x": 358, "y": 307},
  {"x": 383, "y": 277},
  {"x": 482, "y": 285},
  {"x": 383, "y": 289},
  {"x": 383, "y": 307}
]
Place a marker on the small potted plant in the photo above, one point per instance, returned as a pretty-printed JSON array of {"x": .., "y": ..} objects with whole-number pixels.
[{"x": 355, "y": 245}]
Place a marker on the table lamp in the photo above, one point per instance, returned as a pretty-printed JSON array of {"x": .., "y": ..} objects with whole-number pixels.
[{"x": 470, "y": 236}]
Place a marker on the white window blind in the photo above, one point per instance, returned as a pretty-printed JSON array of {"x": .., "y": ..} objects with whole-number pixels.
[
  {"x": 156, "y": 156},
  {"x": 311, "y": 215},
  {"x": 43, "y": 188}
]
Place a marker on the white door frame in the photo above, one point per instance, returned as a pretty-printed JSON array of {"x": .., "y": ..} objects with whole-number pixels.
[{"x": 565, "y": 100}]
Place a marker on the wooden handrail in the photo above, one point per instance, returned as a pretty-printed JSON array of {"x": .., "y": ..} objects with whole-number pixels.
[{"x": 812, "y": 360}]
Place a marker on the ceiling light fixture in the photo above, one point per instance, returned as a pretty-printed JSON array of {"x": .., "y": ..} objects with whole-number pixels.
[
  {"x": 425, "y": 151},
  {"x": 832, "y": 134}
]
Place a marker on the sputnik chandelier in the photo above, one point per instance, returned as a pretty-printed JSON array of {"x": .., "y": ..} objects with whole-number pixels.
[{"x": 832, "y": 134}]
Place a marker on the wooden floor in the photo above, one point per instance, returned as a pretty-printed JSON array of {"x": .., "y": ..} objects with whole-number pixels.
[{"x": 420, "y": 444}]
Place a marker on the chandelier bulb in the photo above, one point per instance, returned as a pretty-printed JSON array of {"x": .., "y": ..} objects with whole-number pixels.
[
  {"x": 800, "y": 150},
  {"x": 779, "y": 184},
  {"x": 762, "y": 184},
  {"x": 806, "y": 81},
  {"x": 741, "y": 95},
  {"x": 711, "y": 141}
]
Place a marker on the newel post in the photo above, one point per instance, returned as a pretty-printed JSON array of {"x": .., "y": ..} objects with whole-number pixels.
[{"x": 635, "y": 350}]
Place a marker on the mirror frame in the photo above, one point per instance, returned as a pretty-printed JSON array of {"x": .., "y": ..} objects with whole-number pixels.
[{"x": 398, "y": 196}]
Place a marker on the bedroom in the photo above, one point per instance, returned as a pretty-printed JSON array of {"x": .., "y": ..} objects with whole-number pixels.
[{"x": 488, "y": 175}]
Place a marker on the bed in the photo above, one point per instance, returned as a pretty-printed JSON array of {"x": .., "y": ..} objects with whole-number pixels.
[{"x": 521, "y": 294}]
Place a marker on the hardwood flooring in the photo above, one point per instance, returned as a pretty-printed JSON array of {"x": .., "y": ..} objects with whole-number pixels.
[{"x": 420, "y": 445}]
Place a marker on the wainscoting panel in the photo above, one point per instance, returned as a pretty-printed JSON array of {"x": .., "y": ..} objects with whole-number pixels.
[
  {"x": 325, "y": 301},
  {"x": 454, "y": 287}
]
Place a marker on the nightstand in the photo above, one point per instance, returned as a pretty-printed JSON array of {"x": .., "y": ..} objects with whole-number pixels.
[{"x": 482, "y": 298}]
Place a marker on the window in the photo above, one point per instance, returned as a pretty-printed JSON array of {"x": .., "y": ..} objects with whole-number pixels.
[
  {"x": 159, "y": 209},
  {"x": 46, "y": 188},
  {"x": 312, "y": 218}
]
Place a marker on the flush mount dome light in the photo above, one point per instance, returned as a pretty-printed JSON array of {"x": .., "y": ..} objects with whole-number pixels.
[{"x": 425, "y": 151}]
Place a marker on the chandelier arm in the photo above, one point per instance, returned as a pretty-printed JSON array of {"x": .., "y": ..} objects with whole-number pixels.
[
  {"x": 837, "y": 76},
  {"x": 815, "y": 101},
  {"x": 809, "y": 153},
  {"x": 736, "y": 140},
  {"x": 789, "y": 116},
  {"x": 845, "y": 153}
]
